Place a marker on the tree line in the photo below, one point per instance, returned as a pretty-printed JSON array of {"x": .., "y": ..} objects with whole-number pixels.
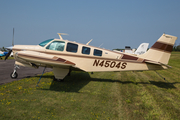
[
  {"x": 176, "y": 47},
  {"x": 3, "y": 49}
]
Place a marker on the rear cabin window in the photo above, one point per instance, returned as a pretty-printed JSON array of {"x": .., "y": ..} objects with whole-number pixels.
[
  {"x": 86, "y": 50},
  {"x": 71, "y": 47},
  {"x": 97, "y": 52},
  {"x": 56, "y": 45}
]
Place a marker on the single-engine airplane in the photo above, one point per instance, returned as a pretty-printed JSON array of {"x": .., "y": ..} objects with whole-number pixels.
[
  {"x": 64, "y": 55},
  {"x": 128, "y": 50},
  {"x": 142, "y": 48}
]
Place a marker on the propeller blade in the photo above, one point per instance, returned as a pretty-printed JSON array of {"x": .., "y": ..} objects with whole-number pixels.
[
  {"x": 8, "y": 54},
  {"x": 13, "y": 38}
]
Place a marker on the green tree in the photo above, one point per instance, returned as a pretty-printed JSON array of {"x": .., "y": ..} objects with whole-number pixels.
[
  {"x": 3, "y": 49},
  {"x": 178, "y": 48}
]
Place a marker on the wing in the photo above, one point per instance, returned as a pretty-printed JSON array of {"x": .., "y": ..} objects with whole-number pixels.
[{"x": 42, "y": 59}]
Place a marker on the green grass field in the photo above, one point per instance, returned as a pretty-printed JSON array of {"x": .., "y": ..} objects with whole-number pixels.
[
  {"x": 8, "y": 58},
  {"x": 98, "y": 96}
]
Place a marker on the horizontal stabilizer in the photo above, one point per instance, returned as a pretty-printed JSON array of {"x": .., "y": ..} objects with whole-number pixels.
[{"x": 157, "y": 63}]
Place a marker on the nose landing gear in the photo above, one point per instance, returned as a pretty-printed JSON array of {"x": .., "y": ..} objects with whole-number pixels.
[{"x": 14, "y": 74}]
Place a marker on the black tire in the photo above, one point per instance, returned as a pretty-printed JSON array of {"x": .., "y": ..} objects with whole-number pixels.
[
  {"x": 69, "y": 73},
  {"x": 54, "y": 79},
  {"x": 14, "y": 76},
  {"x": 58, "y": 80}
]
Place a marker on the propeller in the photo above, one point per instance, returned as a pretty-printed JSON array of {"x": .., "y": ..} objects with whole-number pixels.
[
  {"x": 13, "y": 38},
  {"x": 7, "y": 55}
]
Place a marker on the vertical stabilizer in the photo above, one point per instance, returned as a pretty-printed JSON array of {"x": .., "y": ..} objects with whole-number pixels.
[{"x": 161, "y": 50}]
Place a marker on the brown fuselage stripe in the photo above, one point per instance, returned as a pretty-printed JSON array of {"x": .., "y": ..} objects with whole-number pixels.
[
  {"x": 162, "y": 47},
  {"x": 63, "y": 60},
  {"x": 129, "y": 57},
  {"x": 87, "y": 57}
]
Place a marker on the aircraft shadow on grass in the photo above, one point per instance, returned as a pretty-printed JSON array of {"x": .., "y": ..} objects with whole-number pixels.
[{"x": 77, "y": 81}]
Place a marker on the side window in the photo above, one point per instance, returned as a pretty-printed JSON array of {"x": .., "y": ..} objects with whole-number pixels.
[
  {"x": 97, "y": 52},
  {"x": 56, "y": 45},
  {"x": 86, "y": 50},
  {"x": 71, "y": 47}
]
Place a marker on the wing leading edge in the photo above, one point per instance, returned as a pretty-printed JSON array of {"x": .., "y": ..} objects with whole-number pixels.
[{"x": 42, "y": 58}]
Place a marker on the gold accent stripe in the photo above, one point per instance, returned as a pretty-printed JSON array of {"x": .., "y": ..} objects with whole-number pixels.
[{"x": 131, "y": 59}]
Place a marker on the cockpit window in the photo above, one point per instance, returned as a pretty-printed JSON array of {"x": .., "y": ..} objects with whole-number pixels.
[
  {"x": 45, "y": 42},
  {"x": 56, "y": 45}
]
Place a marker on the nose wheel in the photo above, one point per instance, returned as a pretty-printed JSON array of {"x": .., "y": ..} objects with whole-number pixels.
[{"x": 14, "y": 74}]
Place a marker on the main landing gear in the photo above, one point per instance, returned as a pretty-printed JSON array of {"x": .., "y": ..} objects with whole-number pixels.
[
  {"x": 14, "y": 74},
  {"x": 58, "y": 80}
]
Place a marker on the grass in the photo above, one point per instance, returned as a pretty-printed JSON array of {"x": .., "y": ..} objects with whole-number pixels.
[
  {"x": 103, "y": 96},
  {"x": 8, "y": 58}
]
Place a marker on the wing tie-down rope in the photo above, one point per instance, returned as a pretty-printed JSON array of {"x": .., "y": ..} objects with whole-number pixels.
[{"x": 40, "y": 77}]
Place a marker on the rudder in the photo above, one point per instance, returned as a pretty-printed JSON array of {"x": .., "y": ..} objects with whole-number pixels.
[{"x": 161, "y": 50}]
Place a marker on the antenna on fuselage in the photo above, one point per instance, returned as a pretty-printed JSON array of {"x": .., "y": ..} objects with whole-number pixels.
[
  {"x": 89, "y": 42},
  {"x": 101, "y": 45},
  {"x": 61, "y": 36}
]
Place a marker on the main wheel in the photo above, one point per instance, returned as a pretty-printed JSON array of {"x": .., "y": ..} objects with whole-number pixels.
[{"x": 14, "y": 76}]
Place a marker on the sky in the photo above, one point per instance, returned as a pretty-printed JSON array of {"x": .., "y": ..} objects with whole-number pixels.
[{"x": 110, "y": 23}]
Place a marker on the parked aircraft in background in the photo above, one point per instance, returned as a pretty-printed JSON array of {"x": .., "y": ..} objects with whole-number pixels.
[
  {"x": 8, "y": 48},
  {"x": 5, "y": 53},
  {"x": 64, "y": 55},
  {"x": 128, "y": 50},
  {"x": 141, "y": 49},
  {"x": 2, "y": 54}
]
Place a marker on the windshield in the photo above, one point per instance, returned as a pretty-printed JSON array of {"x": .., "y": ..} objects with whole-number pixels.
[
  {"x": 56, "y": 45},
  {"x": 45, "y": 42}
]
